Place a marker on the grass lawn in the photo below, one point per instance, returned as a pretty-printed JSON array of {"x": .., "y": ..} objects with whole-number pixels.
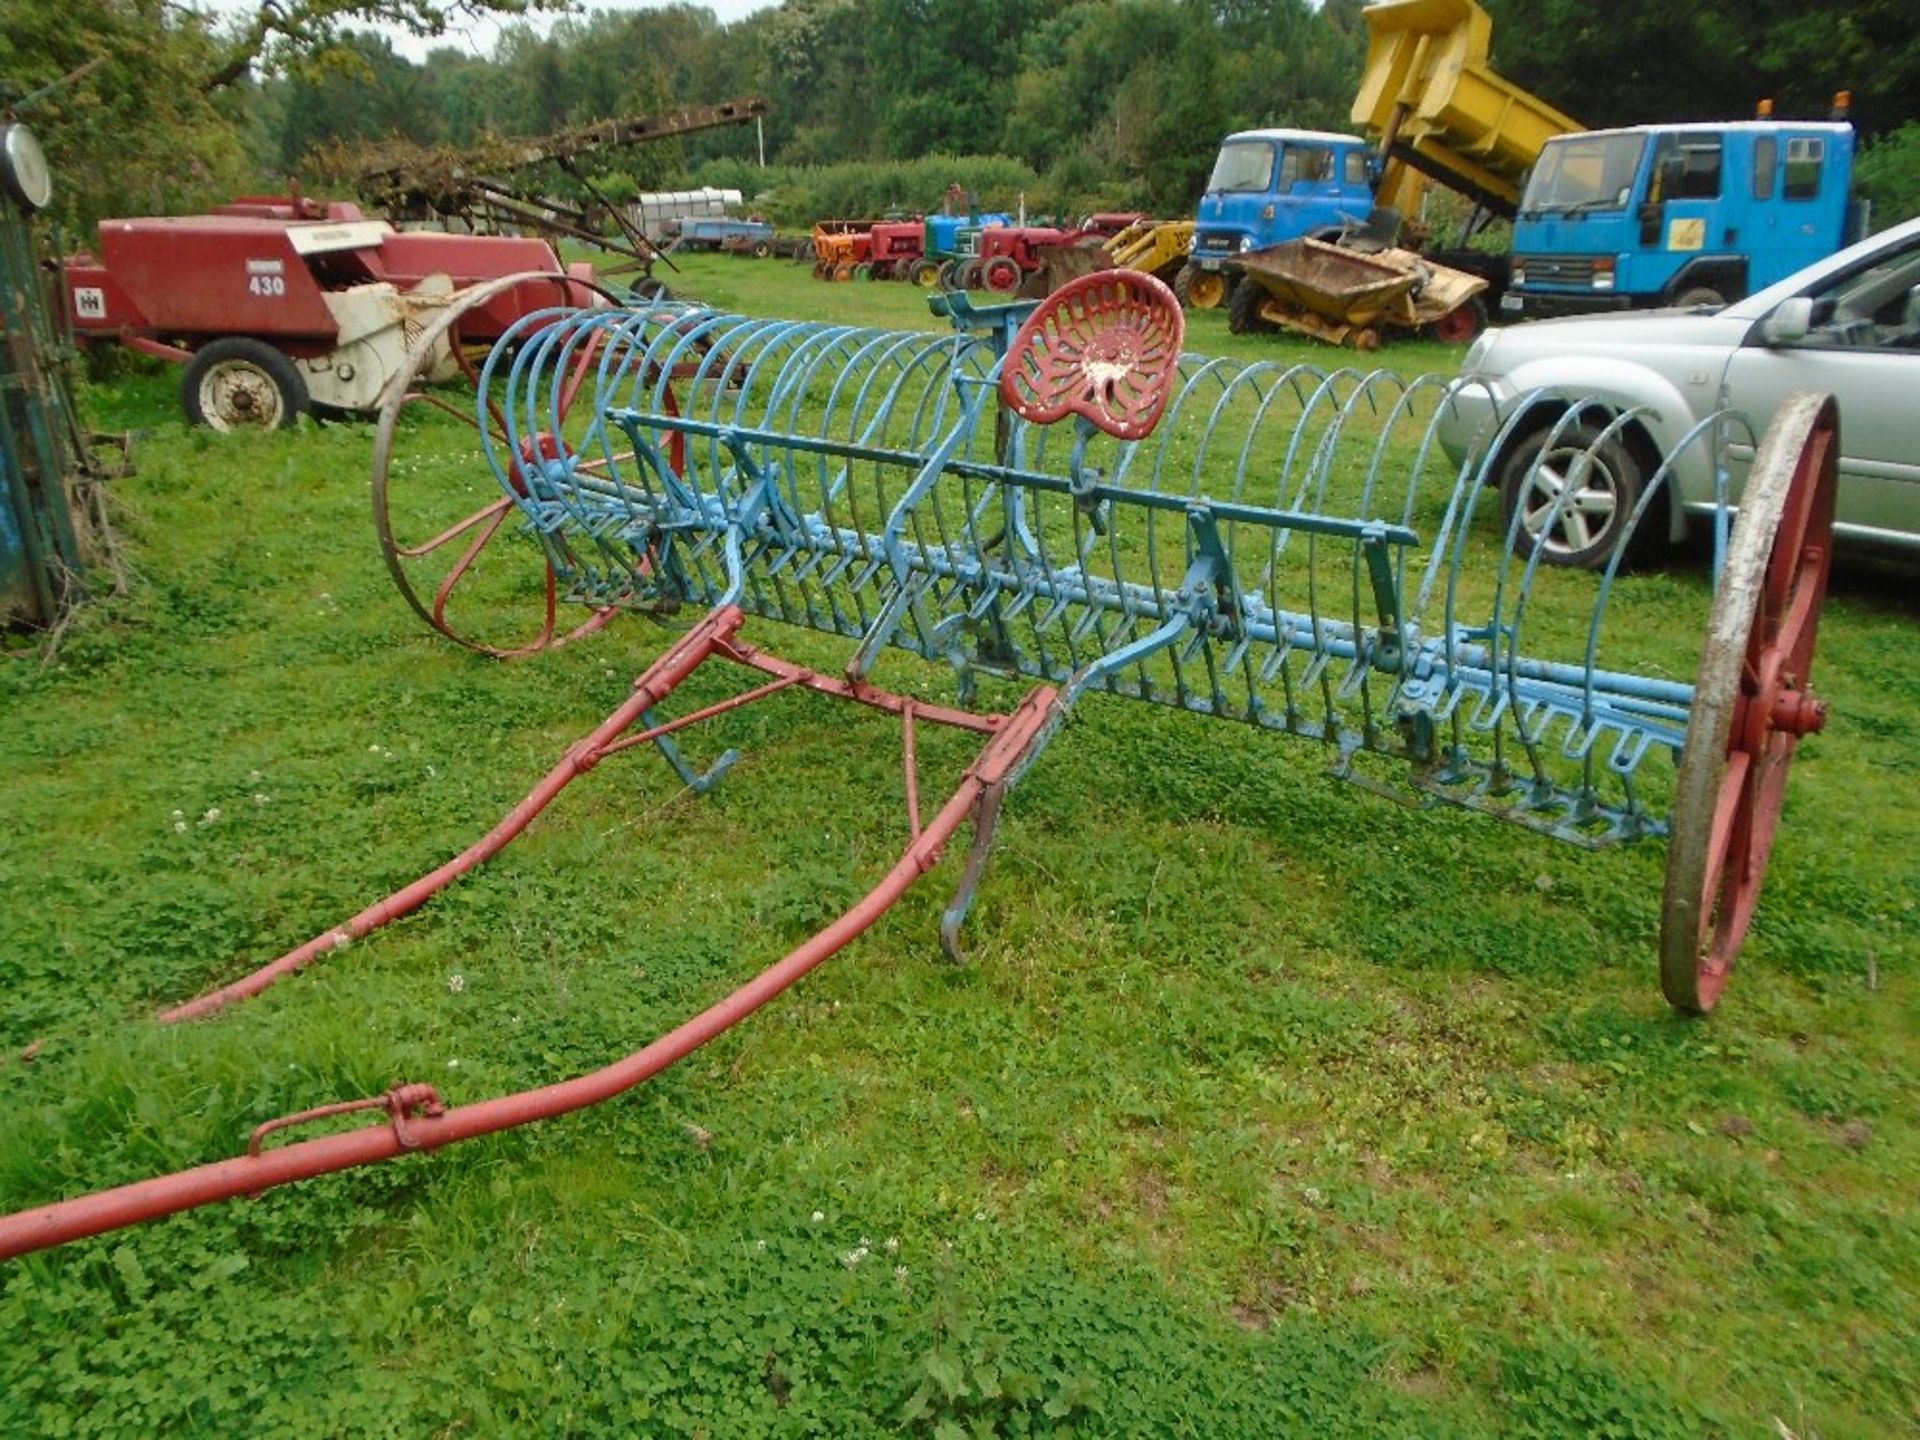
[{"x": 1263, "y": 1107}]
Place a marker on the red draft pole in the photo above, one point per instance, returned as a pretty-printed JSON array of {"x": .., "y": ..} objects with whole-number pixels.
[
  {"x": 659, "y": 681},
  {"x": 413, "y": 1121}
]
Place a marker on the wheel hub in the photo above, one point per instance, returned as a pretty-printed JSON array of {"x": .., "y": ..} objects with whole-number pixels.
[{"x": 235, "y": 395}]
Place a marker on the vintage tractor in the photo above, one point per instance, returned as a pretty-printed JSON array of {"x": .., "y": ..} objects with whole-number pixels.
[
  {"x": 840, "y": 247},
  {"x": 1155, "y": 247},
  {"x": 896, "y": 247},
  {"x": 276, "y": 304},
  {"x": 1011, "y": 253}
]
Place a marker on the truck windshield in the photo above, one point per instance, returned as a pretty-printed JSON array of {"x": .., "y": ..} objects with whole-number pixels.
[
  {"x": 1243, "y": 165},
  {"x": 1586, "y": 172}
]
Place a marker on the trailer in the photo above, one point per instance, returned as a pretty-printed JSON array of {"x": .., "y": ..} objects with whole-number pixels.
[
  {"x": 752, "y": 236},
  {"x": 277, "y": 304}
]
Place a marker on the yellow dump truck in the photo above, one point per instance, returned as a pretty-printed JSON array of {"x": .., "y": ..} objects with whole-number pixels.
[{"x": 1433, "y": 110}]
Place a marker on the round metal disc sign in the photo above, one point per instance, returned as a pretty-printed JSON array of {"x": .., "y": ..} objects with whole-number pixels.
[{"x": 23, "y": 164}]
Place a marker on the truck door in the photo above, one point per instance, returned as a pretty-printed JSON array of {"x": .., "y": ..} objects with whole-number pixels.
[
  {"x": 1308, "y": 185},
  {"x": 1862, "y": 343},
  {"x": 1806, "y": 213},
  {"x": 1684, "y": 217}
]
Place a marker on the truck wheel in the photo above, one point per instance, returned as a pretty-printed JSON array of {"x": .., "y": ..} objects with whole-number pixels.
[
  {"x": 1698, "y": 295},
  {"x": 1199, "y": 289},
  {"x": 237, "y": 383},
  {"x": 1000, "y": 274},
  {"x": 1243, "y": 309},
  {"x": 1583, "y": 533}
]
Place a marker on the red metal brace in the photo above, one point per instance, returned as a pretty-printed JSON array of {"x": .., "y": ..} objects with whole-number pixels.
[{"x": 417, "y": 1118}]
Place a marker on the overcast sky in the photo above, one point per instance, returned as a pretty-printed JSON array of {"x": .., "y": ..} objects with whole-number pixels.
[{"x": 478, "y": 37}]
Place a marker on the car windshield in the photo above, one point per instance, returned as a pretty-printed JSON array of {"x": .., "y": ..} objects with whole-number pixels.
[
  {"x": 1586, "y": 172},
  {"x": 1243, "y": 165}
]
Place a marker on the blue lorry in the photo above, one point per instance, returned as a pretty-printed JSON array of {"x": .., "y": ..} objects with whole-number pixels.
[
  {"x": 1268, "y": 186},
  {"x": 1679, "y": 214}
]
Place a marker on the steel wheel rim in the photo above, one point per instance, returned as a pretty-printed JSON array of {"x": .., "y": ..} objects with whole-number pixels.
[
  {"x": 468, "y": 537},
  {"x": 1760, "y": 646},
  {"x": 1546, "y": 481}
]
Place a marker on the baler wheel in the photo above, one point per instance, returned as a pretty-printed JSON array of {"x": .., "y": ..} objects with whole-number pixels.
[
  {"x": 239, "y": 383},
  {"x": 1753, "y": 702}
]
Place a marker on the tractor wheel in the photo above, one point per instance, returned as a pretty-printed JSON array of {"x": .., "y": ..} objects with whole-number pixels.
[
  {"x": 238, "y": 383},
  {"x": 948, "y": 275},
  {"x": 842, "y": 272},
  {"x": 1000, "y": 275},
  {"x": 819, "y": 270},
  {"x": 1199, "y": 289},
  {"x": 762, "y": 249},
  {"x": 970, "y": 274},
  {"x": 863, "y": 271},
  {"x": 924, "y": 273},
  {"x": 1460, "y": 325},
  {"x": 1243, "y": 309}
]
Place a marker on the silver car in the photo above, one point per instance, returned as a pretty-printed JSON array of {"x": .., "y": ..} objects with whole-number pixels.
[{"x": 1849, "y": 325}]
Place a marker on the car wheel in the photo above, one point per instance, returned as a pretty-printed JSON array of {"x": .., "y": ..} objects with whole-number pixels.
[
  {"x": 1534, "y": 477},
  {"x": 237, "y": 383}
]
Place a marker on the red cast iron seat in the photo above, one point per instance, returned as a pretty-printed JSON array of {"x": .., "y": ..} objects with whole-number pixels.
[{"x": 1105, "y": 346}]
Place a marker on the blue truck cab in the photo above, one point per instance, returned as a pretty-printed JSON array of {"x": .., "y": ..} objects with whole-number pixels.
[
  {"x": 1679, "y": 214},
  {"x": 1274, "y": 185}
]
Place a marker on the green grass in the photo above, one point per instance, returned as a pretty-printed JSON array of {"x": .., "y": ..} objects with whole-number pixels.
[{"x": 1263, "y": 1107}]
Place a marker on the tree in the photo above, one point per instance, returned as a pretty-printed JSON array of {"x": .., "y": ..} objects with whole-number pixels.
[
  {"x": 286, "y": 34},
  {"x": 162, "y": 122},
  {"x": 137, "y": 134},
  {"x": 1641, "y": 61}
]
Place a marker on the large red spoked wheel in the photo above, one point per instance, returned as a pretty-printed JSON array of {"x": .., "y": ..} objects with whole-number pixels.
[
  {"x": 1753, "y": 702},
  {"x": 451, "y": 540},
  {"x": 1105, "y": 346}
]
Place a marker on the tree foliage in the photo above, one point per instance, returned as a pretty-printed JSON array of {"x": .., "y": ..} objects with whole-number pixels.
[{"x": 1106, "y": 102}]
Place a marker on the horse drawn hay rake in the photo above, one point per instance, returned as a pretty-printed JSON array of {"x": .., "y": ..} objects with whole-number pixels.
[{"x": 1058, "y": 499}]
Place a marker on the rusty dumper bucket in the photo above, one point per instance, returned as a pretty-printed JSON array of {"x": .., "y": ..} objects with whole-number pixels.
[{"x": 1347, "y": 297}]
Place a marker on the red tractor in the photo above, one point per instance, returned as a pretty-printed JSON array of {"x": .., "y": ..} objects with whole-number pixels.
[
  {"x": 1010, "y": 253},
  {"x": 276, "y": 304},
  {"x": 898, "y": 245}
]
